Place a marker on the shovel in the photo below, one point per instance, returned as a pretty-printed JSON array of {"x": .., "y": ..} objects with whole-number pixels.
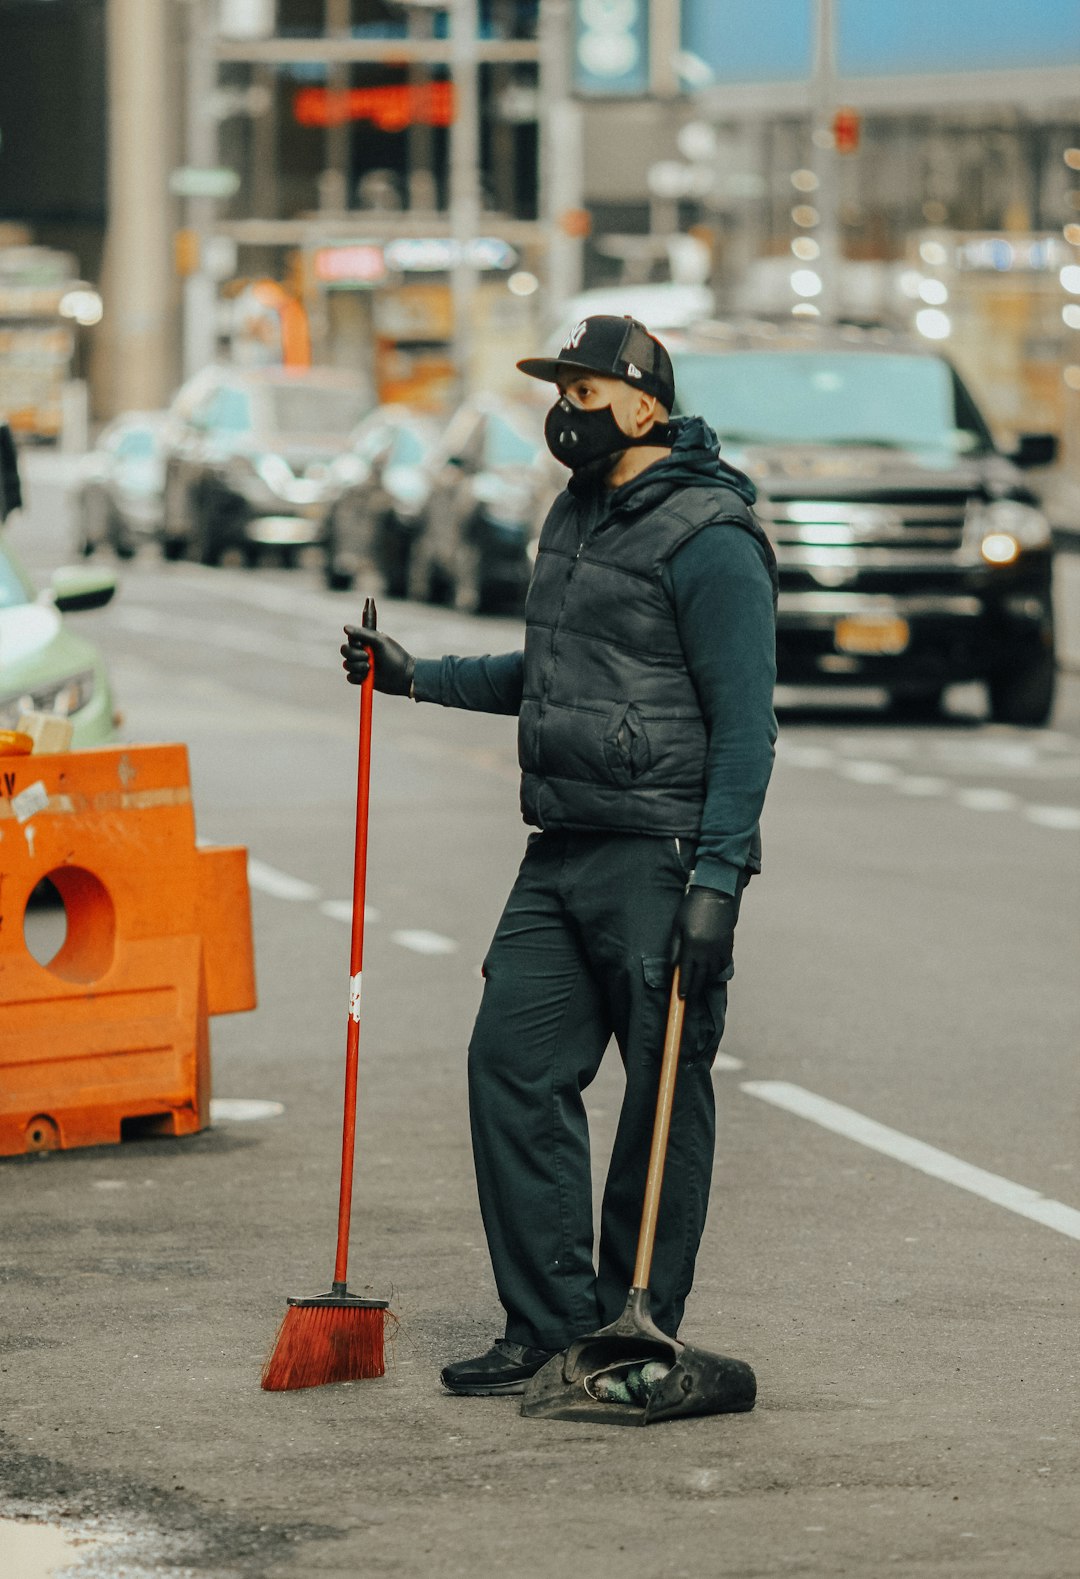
[{"x": 691, "y": 1381}]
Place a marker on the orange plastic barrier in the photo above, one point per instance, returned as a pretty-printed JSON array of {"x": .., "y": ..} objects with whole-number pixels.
[{"x": 110, "y": 1039}]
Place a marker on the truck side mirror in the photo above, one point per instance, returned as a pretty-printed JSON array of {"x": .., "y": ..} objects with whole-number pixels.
[
  {"x": 1035, "y": 449},
  {"x": 78, "y": 587},
  {"x": 10, "y": 486}
]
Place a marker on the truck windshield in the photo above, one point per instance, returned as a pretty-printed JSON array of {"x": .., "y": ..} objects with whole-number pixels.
[
  {"x": 837, "y": 398},
  {"x": 311, "y": 409}
]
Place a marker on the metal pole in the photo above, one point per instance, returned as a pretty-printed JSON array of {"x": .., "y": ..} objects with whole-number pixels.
[
  {"x": 560, "y": 157},
  {"x": 825, "y": 164},
  {"x": 420, "y": 139},
  {"x": 200, "y": 294},
  {"x": 137, "y": 254},
  {"x": 464, "y": 181},
  {"x": 334, "y": 183}
]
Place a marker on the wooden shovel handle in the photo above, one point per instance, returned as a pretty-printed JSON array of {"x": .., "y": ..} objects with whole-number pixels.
[{"x": 665, "y": 1097}]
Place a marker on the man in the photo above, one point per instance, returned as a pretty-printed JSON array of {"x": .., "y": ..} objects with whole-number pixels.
[{"x": 645, "y": 736}]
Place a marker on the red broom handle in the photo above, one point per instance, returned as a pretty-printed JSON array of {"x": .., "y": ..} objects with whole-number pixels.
[{"x": 356, "y": 963}]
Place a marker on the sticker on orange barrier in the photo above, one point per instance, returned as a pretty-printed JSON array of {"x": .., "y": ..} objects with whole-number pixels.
[{"x": 106, "y": 1035}]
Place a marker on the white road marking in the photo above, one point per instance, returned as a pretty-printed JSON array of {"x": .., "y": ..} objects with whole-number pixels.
[
  {"x": 987, "y": 799},
  {"x": 868, "y": 772},
  {"x": 268, "y": 880},
  {"x": 242, "y": 1110},
  {"x": 916, "y": 1154},
  {"x": 725, "y": 1061},
  {"x": 1015, "y": 758},
  {"x": 341, "y": 910},
  {"x": 424, "y": 942},
  {"x": 1067, "y": 817}
]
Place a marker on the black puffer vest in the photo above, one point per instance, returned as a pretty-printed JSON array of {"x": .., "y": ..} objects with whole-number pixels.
[{"x": 610, "y": 732}]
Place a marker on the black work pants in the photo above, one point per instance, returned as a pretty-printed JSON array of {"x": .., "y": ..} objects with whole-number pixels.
[{"x": 581, "y": 954}]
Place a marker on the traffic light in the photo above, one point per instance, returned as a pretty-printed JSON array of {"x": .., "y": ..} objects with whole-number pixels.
[{"x": 846, "y": 128}]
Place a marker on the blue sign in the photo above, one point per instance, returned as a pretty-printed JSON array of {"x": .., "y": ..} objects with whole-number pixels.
[
  {"x": 766, "y": 41},
  {"x": 611, "y": 47},
  {"x": 773, "y": 40},
  {"x": 922, "y": 36}
]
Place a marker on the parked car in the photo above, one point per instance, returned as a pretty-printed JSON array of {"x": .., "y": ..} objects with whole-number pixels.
[
  {"x": 375, "y": 499},
  {"x": 912, "y": 551},
  {"x": 492, "y": 482},
  {"x": 247, "y": 453},
  {"x": 117, "y": 497},
  {"x": 44, "y": 667}
]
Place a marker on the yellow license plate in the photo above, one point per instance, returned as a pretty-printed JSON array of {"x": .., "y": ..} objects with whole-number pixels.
[{"x": 871, "y": 633}]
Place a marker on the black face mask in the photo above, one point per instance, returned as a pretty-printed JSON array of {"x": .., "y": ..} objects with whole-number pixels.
[{"x": 579, "y": 438}]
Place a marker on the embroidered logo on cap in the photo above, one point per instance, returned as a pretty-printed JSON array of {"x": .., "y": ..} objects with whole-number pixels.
[
  {"x": 632, "y": 371},
  {"x": 576, "y": 335}
]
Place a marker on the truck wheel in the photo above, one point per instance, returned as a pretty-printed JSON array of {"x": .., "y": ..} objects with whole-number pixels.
[{"x": 1024, "y": 694}]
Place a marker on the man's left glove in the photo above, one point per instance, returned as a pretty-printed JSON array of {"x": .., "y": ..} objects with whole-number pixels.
[
  {"x": 702, "y": 939},
  {"x": 393, "y": 665}
]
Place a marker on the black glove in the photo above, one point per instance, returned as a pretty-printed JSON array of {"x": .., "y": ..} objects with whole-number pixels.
[
  {"x": 702, "y": 939},
  {"x": 393, "y": 665}
]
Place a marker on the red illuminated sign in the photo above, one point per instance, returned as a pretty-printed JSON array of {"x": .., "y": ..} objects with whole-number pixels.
[{"x": 391, "y": 109}]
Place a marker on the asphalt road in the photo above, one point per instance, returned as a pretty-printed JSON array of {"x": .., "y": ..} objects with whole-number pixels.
[{"x": 895, "y": 1233}]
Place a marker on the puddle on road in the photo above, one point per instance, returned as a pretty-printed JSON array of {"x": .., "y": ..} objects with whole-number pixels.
[{"x": 41, "y": 1551}]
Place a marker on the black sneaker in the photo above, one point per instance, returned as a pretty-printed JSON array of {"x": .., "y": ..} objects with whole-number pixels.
[{"x": 505, "y": 1368}]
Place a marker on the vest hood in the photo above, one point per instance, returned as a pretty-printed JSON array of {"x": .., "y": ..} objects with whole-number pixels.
[{"x": 694, "y": 462}]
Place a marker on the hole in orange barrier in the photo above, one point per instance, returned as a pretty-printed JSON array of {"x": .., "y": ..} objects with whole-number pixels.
[
  {"x": 77, "y": 943},
  {"x": 45, "y": 922}
]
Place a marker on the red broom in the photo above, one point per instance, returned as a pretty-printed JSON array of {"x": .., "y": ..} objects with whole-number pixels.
[{"x": 338, "y": 1337}]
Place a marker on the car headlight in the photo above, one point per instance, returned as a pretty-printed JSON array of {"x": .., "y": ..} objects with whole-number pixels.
[
  {"x": 65, "y": 697},
  {"x": 999, "y": 532}
]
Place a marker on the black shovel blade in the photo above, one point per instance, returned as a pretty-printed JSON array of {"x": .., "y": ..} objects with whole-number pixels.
[{"x": 699, "y": 1383}]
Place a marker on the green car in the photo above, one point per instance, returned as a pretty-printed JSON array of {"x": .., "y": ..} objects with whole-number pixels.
[{"x": 44, "y": 667}]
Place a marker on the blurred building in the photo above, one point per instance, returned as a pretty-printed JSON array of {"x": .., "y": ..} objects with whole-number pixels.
[{"x": 432, "y": 192}]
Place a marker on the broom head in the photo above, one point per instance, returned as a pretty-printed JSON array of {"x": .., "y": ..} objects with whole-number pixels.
[{"x": 331, "y": 1338}]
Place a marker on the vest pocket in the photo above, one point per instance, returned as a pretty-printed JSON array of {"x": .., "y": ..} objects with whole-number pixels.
[{"x": 627, "y": 754}]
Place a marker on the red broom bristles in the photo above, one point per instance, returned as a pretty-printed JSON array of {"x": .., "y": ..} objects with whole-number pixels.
[{"x": 319, "y": 1344}]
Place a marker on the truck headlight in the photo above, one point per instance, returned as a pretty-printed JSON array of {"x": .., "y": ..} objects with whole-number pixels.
[
  {"x": 66, "y": 697},
  {"x": 1000, "y": 532}
]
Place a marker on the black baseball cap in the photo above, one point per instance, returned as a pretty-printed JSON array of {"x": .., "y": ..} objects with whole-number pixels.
[{"x": 616, "y": 348}]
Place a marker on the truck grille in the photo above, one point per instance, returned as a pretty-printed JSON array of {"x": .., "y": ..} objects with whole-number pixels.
[{"x": 897, "y": 530}]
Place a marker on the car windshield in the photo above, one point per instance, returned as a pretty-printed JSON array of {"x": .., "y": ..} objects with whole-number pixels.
[
  {"x": 505, "y": 445},
  {"x": 12, "y": 588},
  {"x": 309, "y": 409},
  {"x": 136, "y": 444},
  {"x": 799, "y": 397},
  {"x": 407, "y": 448}
]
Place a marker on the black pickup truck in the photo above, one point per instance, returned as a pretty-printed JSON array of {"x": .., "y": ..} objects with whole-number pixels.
[{"x": 912, "y": 552}]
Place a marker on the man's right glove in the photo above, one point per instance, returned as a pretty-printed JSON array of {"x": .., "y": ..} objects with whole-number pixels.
[
  {"x": 393, "y": 665},
  {"x": 702, "y": 939}
]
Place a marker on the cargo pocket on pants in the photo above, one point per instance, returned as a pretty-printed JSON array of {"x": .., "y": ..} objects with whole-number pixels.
[{"x": 703, "y": 1025}]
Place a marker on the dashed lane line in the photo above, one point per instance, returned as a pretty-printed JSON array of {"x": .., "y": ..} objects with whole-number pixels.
[
  {"x": 886, "y": 775},
  {"x": 917, "y": 1154},
  {"x": 296, "y": 890},
  {"x": 268, "y": 880},
  {"x": 1064, "y": 817},
  {"x": 421, "y": 942}
]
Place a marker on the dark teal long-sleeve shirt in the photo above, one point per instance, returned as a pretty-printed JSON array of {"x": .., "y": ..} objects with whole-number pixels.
[{"x": 722, "y": 595}]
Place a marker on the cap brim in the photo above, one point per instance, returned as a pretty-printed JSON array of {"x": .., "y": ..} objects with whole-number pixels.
[{"x": 547, "y": 367}]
